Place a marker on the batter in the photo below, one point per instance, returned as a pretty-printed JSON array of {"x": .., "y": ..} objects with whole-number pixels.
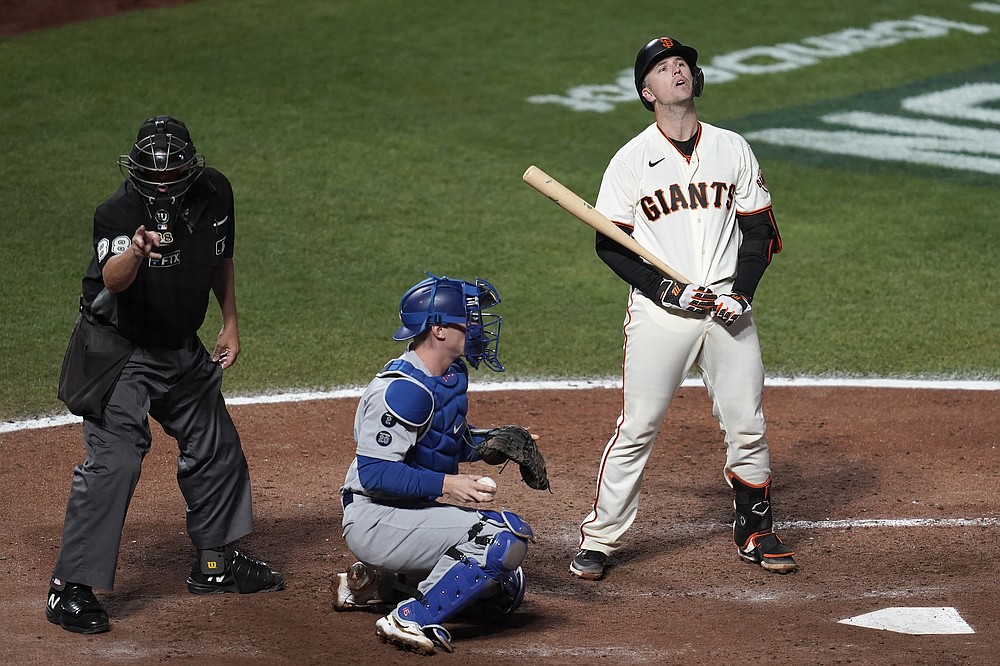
[
  {"x": 411, "y": 434},
  {"x": 694, "y": 195}
]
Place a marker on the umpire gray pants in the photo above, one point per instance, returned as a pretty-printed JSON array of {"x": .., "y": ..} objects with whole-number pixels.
[{"x": 181, "y": 389}]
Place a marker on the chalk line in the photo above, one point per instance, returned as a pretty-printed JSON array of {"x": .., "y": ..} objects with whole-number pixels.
[{"x": 560, "y": 385}]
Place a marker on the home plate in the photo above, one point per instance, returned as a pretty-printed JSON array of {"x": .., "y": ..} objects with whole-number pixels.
[{"x": 941, "y": 620}]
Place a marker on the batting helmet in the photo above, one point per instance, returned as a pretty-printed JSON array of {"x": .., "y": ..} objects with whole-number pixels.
[
  {"x": 441, "y": 300},
  {"x": 656, "y": 50},
  {"x": 163, "y": 162}
]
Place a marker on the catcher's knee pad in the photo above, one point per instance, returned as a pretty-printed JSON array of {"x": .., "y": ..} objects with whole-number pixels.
[
  {"x": 504, "y": 554},
  {"x": 511, "y": 521}
]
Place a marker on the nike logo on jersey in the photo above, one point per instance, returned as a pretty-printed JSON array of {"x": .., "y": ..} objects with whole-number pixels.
[
  {"x": 220, "y": 222},
  {"x": 653, "y": 164}
]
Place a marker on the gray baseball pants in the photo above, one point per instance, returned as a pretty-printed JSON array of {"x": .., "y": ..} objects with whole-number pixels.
[{"x": 181, "y": 389}]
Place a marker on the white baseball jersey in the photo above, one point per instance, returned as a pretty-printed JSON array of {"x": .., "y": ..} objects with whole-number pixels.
[{"x": 684, "y": 210}]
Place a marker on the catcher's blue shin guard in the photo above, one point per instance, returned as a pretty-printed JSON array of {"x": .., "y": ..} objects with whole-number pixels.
[
  {"x": 511, "y": 594},
  {"x": 466, "y": 581}
]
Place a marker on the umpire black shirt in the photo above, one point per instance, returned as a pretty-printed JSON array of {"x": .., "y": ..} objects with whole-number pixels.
[{"x": 167, "y": 302}]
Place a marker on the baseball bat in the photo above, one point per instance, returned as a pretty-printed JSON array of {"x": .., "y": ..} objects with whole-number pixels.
[{"x": 590, "y": 216}]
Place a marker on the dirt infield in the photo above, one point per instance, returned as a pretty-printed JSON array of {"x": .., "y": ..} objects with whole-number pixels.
[
  {"x": 17, "y": 16},
  {"x": 676, "y": 593}
]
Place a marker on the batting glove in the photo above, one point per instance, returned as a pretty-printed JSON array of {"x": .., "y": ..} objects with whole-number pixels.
[
  {"x": 680, "y": 296},
  {"x": 729, "y": 307}
]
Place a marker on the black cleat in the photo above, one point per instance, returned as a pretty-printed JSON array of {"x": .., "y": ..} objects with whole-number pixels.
[
  {"x": 243, "y": 574},
  {"x": 589, "y": 564},
  {"x": 767, "y": 550},
  {"x": 76, "y": 609}
]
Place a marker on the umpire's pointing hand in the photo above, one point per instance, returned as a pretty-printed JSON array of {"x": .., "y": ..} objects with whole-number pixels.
[{"x": 144, "y": 242}]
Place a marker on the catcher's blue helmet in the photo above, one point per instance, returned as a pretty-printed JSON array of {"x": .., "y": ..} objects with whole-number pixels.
[{"x": 442, "y": 300}]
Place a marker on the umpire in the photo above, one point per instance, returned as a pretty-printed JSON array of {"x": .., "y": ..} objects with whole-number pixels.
[{"x": 161, "y": 243}]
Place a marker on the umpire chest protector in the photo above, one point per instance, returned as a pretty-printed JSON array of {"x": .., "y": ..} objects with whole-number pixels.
[{"x": 437, "y": 406}]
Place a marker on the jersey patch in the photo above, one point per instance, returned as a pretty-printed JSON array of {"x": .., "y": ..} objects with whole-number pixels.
[
  {"x": 761, "y": 183},
  {"x": 120, "y": 244},
  {"x": 388, "y": 420},
  {"x": 383, "y": 438},
  {"x": 162, "y": 217},
  {"x": 172, "y": 259}
]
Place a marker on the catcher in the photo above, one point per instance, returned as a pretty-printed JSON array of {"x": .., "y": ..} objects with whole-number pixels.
[{"x": 411, "y": 435}]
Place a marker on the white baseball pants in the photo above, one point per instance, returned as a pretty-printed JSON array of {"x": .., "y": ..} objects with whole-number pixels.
[{"x": 661, "y": 346}]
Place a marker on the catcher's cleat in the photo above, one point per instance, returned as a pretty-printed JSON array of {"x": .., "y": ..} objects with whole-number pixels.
[
  {"x": 767, "y": 550},
  {"x": 242, "y": 574},
  {"x": 358, "y": 588},
  {"x": 410, "y": 635},
  {"x": 588, "y": 564},
  {"x": 75, "y": 608}
]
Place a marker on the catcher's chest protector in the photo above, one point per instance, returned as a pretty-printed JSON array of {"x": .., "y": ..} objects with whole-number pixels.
[{"x": 439, "y": 447}]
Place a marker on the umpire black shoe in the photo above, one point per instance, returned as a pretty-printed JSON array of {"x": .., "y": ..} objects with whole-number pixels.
[
  {"x": 242, "y": 574},
  {"x": 589, "y": 564},
  {"x": 75, "y": 608}
]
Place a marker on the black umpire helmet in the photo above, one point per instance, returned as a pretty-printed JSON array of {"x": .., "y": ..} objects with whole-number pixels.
[
  {"x": 163, "y": 161},
  {"x": 656, "y": 50}
]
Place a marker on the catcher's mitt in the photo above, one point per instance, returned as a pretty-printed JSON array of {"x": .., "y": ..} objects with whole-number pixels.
[{"x": 512, "y": 442}]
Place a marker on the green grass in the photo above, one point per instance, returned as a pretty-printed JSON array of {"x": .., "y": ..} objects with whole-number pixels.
[{"x": 370, "y": 141}]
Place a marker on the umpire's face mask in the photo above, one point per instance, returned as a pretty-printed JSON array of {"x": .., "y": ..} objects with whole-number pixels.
[
  {"x": 164, "y": 206},
  {"x": 162, "y": 165}
]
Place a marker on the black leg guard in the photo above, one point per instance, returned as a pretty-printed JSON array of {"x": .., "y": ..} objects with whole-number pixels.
[{"x": 753, "y": 530}]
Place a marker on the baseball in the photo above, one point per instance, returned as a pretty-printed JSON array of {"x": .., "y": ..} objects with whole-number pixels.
[{"x": 487, "y": 481}]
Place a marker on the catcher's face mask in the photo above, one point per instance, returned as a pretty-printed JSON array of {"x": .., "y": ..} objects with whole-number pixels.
[{"x": 482, "y": 338}]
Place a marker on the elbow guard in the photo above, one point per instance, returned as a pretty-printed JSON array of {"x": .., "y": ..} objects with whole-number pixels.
[
  {"x": 760, "y": 242},
  {"x": 752, "y": 248},
  {"x": 760, "y": 236}
]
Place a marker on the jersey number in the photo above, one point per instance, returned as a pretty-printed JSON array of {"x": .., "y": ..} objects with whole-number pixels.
[{"x": 120, "y": 244}]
